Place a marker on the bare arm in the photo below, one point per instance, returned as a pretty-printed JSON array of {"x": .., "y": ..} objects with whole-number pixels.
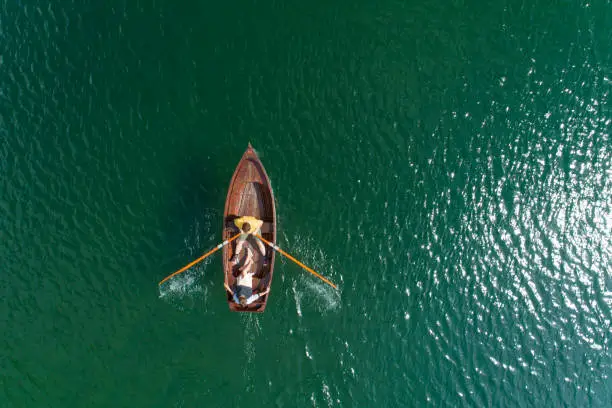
[{"x": 249, "y": 261}]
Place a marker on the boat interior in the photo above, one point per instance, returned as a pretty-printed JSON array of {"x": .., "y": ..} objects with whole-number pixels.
[{"x": 254, "y": 201}]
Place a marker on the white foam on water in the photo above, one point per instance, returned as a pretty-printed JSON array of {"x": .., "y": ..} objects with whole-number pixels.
[
  {"x": 190, "y": 289},
  {"x": 307, "y": 352},
  {"x": 325, "y": 298},
  {"x": 186, "y": 290},
  {"x": 297, "y": 296},
  {"x": 327, "y": 395},
  {"x": 306, "y": 287},
  {"x": 252, "y": 330}
]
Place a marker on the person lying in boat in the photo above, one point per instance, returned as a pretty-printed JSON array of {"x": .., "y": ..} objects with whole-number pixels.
[
  {"x": 243, "y": 293},
  {"x": 249, "y": 227}
]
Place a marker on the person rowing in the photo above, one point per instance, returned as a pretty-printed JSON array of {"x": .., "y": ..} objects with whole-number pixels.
[
  {"x": 243, "y": 293},
  {"x": 249, "y": 227}
]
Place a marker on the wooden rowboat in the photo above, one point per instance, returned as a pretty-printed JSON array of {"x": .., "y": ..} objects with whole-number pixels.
[{"x": 250, "y": 193}]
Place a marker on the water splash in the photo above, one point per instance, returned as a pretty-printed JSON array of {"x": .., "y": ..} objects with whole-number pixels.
[
  {"x": 326, "y": 299},
  {"x": 307, "y": 287},
  {"x": 185, "y": 291},
  {"x": 188, "y": 289},
  {"x": 297, "y": 296}
]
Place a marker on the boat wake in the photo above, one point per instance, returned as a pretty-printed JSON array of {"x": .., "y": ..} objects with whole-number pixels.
[
  {"x": 252, "y": 326},
  {"x": 252, "y": 329}
]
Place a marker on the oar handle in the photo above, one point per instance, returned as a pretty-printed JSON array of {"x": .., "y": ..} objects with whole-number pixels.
[
  {"x": 189, "y": 265},
  {"x": 276, "y": 248}
]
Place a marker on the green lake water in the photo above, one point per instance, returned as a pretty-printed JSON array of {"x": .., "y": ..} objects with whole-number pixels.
[{"x": 446, "y": 163}]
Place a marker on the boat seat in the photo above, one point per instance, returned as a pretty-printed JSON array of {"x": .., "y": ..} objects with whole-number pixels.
[
  {"x": 266, "y": 228},
  {"x": 229, "y": 223}
]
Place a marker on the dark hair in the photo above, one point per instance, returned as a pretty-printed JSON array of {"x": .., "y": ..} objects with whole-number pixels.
[
  {"x": 242, "y": 300},
  {"x": 246, "y": 227}
]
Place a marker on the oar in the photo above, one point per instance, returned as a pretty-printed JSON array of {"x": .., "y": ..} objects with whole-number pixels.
[
  {"x": 189, "y": 265},
  {"x": 296, "y": 261}
]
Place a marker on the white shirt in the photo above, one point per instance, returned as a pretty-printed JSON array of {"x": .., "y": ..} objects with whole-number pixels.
[{"x": 245, "y": 279}]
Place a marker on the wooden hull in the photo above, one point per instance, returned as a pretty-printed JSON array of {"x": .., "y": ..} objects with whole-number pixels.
[{"x": 250, "y": 193}]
